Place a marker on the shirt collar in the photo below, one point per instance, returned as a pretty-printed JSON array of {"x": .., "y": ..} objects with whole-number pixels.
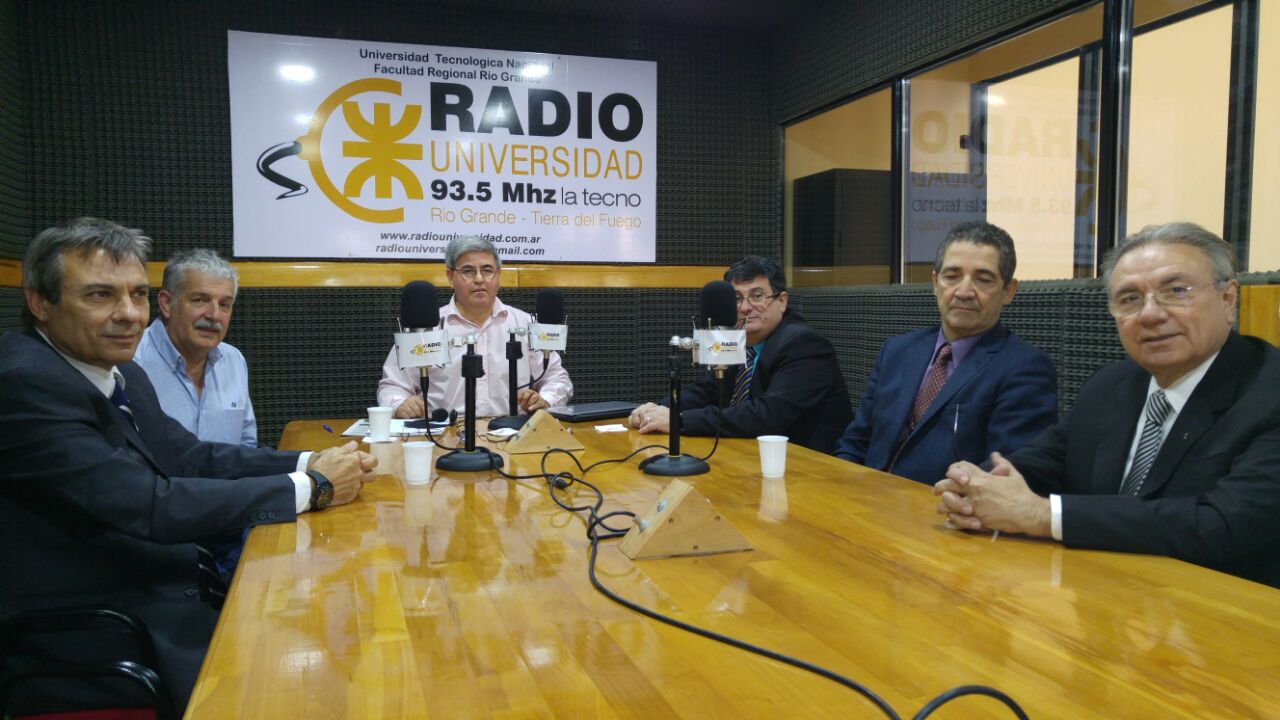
[
  {"x": 104, "y": 380},
  {"x": 1180, "y": 391},
  {"x": 169, "y": 352},
  {"x": 499, "y": 310},
  {"x": 959, "y": 348}
]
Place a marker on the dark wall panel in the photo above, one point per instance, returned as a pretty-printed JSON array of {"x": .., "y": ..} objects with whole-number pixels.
[
  {"x": 15, "y": 210},
  {"x": 845, "y": 47},
  {"x": 130, "y": 117}
]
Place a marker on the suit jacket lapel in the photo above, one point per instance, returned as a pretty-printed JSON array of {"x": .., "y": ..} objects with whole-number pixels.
[
  {"x": 977, "y": 359},
  {"x": 1215, "y": 393},
  {"x": 1116, "y": 430},
  {"x": 915, "y": 361}
]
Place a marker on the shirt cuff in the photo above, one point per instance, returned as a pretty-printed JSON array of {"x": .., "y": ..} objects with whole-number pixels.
[
  {"x": 303, "y": 460},
  {"x": 1055, "y": 516},
  {"x": 301, "y": 491}
]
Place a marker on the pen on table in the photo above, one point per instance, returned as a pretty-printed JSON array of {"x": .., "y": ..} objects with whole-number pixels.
[{"x": 327, "y": 429}]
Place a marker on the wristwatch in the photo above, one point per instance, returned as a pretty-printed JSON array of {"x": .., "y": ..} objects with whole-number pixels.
[{"x": 321, "y": 490}]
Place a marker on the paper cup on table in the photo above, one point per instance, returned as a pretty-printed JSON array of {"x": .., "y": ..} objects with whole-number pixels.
[
  {"x": 379, "y": 423},
  {"x": 417, "y": 462},
  {"x": 390, "y": 454},
  {"x": 773, "y": 455}
]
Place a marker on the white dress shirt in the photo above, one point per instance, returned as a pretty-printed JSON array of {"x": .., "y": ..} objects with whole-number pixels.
[
  {"x": 447, "y": 385},
  {"x": 1177, "y": 394}
]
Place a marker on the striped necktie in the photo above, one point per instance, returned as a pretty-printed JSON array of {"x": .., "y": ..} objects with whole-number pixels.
[
  {"x": 121, "y": 401},
  {"x": 1158, "y": 408},
  {"x": 742, "y": 384}
]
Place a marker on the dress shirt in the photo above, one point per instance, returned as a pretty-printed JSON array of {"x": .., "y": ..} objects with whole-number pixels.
[
  {"x": 447, "y": 386},
  {"x": 1177, "y": 394},
  {"x": 105, "y": 381},
  {"x": 222, "y": 410}
]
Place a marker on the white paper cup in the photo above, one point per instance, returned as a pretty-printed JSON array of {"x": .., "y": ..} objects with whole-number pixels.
[
  {"x": 379, "y": 423},
  {"x": 773, "y": 455},
  {"x": 390, "y": 456},
  {"x": 417, "y": 462}
]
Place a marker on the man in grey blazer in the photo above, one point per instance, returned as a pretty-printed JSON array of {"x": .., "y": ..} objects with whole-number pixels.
[
  {"x": 102, "y": 495},
  {"x": 1173, "y": 451}
]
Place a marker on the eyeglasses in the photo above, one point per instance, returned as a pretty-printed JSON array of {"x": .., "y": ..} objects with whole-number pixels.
[
  {"x": 1131, "y": 302},
  {"x": 486, "y": 272},
  {"x": 758, "y": 298}
]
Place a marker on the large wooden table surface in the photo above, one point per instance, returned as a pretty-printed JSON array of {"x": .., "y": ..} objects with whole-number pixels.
[{"x": 470, "y": 598}]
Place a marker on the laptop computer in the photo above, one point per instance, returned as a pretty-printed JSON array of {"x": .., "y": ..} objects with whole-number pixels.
[{"x": 586, "y": 412}]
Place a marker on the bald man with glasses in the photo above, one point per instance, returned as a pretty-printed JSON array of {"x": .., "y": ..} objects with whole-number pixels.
[
  {"x": 791, "y": 384},
  {"x": 1173, "y": 451}
]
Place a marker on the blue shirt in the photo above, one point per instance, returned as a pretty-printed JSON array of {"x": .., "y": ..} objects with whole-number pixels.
[{"x": 222, "y": 411}]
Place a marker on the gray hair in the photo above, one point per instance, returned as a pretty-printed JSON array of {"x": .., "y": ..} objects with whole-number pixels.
[
  {"x": 205, "y": 262},
  {"x": 464, "y": 244},
  {"x": 981, "y": 233},
  {"x": 42, "y": 268},
  {"x": 1222, "y": 261}
]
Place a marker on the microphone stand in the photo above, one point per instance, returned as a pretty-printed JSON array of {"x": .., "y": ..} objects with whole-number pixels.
[
  {"x": 470, "y": 458},
  {"x": 674, "y": 464},
  {"x": 425, "y": 379},
  {"x": 514, "y": 420}
]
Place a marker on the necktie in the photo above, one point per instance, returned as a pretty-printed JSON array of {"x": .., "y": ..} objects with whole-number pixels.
[
  {"x": 742, "y": 384},
  {"x": 121, "y": 401},
  {"x": 933, "y": 382},
  {"x": 1158, "y": 408}
]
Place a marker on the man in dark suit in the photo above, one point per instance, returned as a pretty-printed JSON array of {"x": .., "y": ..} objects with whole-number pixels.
[
  {"x": 791, "y": 384},
  {"x": 101, "y": 493},
  {"x": 961, "y": 390},
  {"x": 1174, "y": 451}
]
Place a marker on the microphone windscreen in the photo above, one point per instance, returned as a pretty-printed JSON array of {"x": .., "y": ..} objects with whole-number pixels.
[
  {"x": 418, "y": 306},
  {"x": 550, "y": 307},
  {"x": 717, "y": 304},
  {"x": 439, "y": 415}
]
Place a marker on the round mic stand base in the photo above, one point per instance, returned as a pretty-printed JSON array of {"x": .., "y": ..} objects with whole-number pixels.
[
  {"x": 673, "y": 465},
  {"x": 478, "y": 460},
  {"x": 514, "y": 422}
]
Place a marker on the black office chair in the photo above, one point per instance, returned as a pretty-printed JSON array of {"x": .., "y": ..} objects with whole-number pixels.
[{"x": 80, "y": 663}]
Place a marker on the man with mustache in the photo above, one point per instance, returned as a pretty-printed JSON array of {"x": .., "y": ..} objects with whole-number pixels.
[
  {"x": 791, "y": 384},
  {"x": 104, "y": 496},
  {"x": 960, "y": 390},
  {"x": 202, "y": 382},
  {"x": 1172, "y": 451}
]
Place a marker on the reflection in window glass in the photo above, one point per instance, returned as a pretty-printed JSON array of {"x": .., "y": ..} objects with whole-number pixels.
[
  {"x": 1177, "y": 144},
  {"x": 839, "y": 195},
  {"x": 1008, "y": 135},
  {"x": 1264, "y": 223}
]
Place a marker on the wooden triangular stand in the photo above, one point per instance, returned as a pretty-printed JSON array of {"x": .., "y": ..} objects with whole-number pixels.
[
  {"x": 682, "y": 522},
  {"x": 541, "y": 433}
]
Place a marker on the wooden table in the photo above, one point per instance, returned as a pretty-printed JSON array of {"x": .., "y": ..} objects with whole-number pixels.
[{"x": 470, "y": 598}]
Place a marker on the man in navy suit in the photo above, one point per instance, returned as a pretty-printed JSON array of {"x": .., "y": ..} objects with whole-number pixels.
[
  {"x": 103, "y": 496},
  {"x": 1173, "y": 451},
  {"x": 960, "y": 390}
]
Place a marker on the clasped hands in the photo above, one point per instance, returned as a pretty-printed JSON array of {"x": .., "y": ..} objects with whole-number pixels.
[
  {"x": 346, "y": 467},
  {"x": 527, "y": 398},
  {"x": 651, "y": 418},
  {"x": 974, "y": 499}
]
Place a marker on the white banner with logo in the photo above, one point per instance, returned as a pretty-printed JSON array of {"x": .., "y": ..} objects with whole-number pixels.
[{"x": 350, "y": 149}]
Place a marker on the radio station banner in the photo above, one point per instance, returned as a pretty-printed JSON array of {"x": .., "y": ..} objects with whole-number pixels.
[{"x": 350, "y": 149}]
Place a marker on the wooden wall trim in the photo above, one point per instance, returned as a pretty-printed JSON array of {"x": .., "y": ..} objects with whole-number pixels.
[
  {"x": 296, "y": 274},
  {"x": 1260, "y": 312}
]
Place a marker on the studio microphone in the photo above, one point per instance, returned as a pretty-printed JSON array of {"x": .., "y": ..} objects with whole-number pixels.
[
  {"x": 420, "y": 343},
  {"x": 548, "y": 332}
]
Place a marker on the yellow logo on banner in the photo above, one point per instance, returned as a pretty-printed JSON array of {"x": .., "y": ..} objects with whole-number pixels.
[{"x": 381, "y": 147}]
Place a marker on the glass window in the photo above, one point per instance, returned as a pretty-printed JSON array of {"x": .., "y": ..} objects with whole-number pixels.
[
  {"x": 1009, "y": 135},
  {"x": 839, "y": 195},
  {"x": 1264, "y": 222},
  {"x": 1178, "y": 110}
]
